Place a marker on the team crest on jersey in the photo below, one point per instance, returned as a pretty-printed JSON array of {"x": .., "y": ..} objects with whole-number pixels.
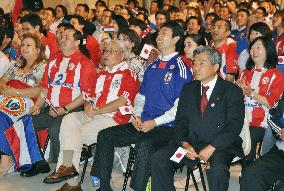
[
  {"x": 172, "y": 67},
  {"x": 168, "y": 77},
  {"x": 115, "y": 84},
  {"x": 13, "y": 105},
  {"x": 71, "y": 66},
  {"x": 265, "y": 80}
]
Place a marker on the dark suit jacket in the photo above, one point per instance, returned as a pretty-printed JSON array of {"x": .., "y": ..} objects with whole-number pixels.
[{"x": 222, "y": 121}]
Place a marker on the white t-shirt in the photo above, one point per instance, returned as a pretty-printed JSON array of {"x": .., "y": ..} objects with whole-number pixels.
[{"x": 5, "y": 64}]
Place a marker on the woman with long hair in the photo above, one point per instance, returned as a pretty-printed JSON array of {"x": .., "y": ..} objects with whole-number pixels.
[{"x": 17, "y": 96}]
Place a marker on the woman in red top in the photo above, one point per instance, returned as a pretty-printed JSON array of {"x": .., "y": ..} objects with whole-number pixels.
[
  {"x": 262, "y": 86},
  {"x": 191, "y": 42}
]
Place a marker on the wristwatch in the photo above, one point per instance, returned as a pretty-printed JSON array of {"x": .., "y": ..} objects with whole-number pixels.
[{"x": 66, "y": 110}]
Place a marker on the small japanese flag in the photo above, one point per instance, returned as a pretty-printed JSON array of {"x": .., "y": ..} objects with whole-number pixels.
[
  {"x": 145, "y": 52},
  {"x": 125, "y": 110},
  {"x": 179, "y": 154}
]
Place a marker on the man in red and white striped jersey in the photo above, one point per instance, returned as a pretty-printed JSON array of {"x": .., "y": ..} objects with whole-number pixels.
[
  {"x": 227, "y": 47},
  {"x": 116, "y": 88},
  {"x": 66, "y": 76}
]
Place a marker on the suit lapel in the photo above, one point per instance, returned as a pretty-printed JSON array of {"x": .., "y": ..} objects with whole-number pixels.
[
  {"x": 196, "y": 99},
  {"x": 215, "y": 97}
]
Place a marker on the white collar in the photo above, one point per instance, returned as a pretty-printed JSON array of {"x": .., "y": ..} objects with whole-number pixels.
[
  {"x": 212, "y": 82},
  {"x": 122, "y": 66},
  {"x": 168, "y": 57}
]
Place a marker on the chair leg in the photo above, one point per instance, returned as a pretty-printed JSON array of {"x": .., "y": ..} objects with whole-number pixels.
[
  {"x": 128, "y": 168},
  {"x": 187, "y": 179},
  {"x": 87, "y": 152},
  {"x": 202, "y": 177},
  {"x": 194, "y": 180},
  {"x": 45, "y": 145}
]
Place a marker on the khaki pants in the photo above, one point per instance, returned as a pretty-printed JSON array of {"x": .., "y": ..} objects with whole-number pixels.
[{"x": 78, "y": 129}]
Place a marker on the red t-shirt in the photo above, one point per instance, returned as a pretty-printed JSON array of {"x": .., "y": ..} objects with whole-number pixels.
[
  {"x": 94, "y": 49},
  {"x": 51, "y": 46},
  {"x": 229, "y": 54}
]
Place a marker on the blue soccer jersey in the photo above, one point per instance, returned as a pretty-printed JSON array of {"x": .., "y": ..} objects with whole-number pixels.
[{"x": 162, "y": 85}]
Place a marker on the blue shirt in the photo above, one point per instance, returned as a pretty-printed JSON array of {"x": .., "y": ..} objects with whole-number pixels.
[
  {"x": 240, "y": 36},
  {"x": 162, "y": 85}
]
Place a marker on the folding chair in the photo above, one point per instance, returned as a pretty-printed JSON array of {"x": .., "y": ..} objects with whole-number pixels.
[
  {"x": 85, "y": 155},
  {"x": 130, "y": 162}
]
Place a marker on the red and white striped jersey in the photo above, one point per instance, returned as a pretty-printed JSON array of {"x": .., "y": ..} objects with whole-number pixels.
[
  {"x": 66, "y": 77},
  {"x": 267, "y": 83},
  {"x": 229, "y": 54},
  {"x": 111, "y": 84}
]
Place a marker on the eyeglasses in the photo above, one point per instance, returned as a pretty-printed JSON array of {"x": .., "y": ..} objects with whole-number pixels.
[{"x": 110, "y": 51}]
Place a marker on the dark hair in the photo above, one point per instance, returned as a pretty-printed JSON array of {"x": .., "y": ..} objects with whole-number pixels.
[
  {"x": 85, "y": 6},
  {"x": 212, "y": 15},
  {"x": 102, "y": 3},
  {"x": 65, "y": 25},
  {"x": 227, "y": 23},
  {"x": 271, "y": 53},
  {"x": 119, "y": 6},
  {"x": 162, "y": 12},
  {"x": 52, "y": 11},
  {"x": 217, "y": 3},
  {"x": 245, "y": 11},
  {"x": 63, "y": 8},
  {"x": 143, "y": 10},
  {"x": 195, "y": 18},
  {"x": 135, "y": 2},
  {"x": 144, "y": 15},
  {"x": 133, "y": 37},
  {"x": 173, "y": 9},
  {"x": 120, "y": 21},
  {"x": 34, "y": 20},
  {"x": 176, "y": 31},
  {"x": 198, "y": 39},
  {"x": 137, "y": 22},
  {"x": 2, "y": 34},
  {"x": 83, "y": 40},
  {"x": 80, "y": 19},
  {"x": 263, "y": 10},
  {"x": 25, "y": 9},
  {"x": 244, "y": 5},
  {"x": 185, "y": 1},
  {"x": 262, "y": 28}
]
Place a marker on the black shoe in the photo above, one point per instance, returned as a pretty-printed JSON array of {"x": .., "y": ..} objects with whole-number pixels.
[
  {"x": 38, "y": 167},
  {"x": 98, "y": 189}
]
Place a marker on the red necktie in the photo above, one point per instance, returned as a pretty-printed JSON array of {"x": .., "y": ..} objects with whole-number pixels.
[{"x": 204, "y": 99}]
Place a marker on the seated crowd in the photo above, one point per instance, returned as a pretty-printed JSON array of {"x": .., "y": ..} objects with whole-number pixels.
[{"x": 177, "y": 78}]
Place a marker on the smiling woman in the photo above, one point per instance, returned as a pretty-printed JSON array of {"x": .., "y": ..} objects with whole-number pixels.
[
  {"x": 262, "y": 85},
  {"x": 16, "y": 90}
]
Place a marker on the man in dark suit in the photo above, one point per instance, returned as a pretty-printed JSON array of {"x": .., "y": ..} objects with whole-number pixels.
[{"x": 208, "y": 122}]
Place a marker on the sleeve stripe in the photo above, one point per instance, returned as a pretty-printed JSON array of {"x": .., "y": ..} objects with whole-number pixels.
[
  {"x": 273, "y": 125},
  {"x": 182, "y": 68}
]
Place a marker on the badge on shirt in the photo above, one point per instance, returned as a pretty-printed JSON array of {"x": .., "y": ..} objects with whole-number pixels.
[
  {"x": 71, "y": 66},
  {"x": 172, "y": 67},
  {"x": 168, "y": 77},
  {"x": 115, "y": 84},
  {"x": 265, "y": 80}
]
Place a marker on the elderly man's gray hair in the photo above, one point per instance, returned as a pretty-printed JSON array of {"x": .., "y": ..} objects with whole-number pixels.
[
  {"x": 121, "y": 46},
  {"x": 213, "y": 55}
]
